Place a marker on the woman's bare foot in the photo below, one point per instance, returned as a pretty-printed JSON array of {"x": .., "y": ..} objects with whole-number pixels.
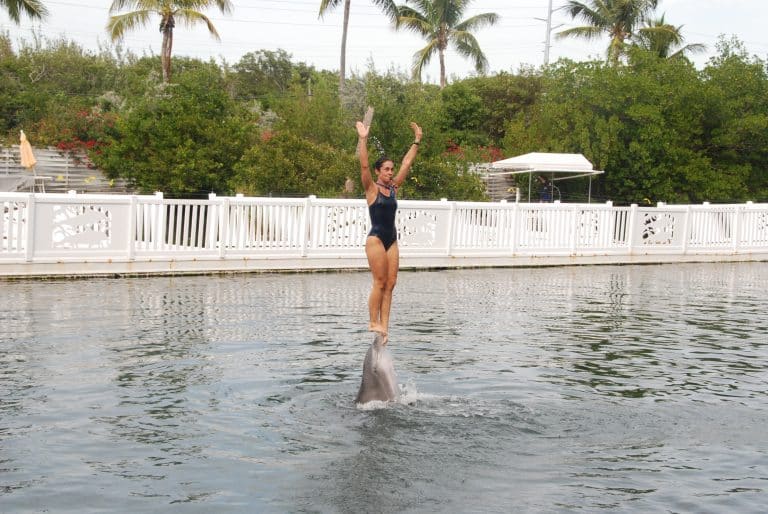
[{"x": 376, "y": 327}]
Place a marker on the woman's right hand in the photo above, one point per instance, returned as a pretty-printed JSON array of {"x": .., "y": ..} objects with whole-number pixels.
[{"x": 362, "y": 130}]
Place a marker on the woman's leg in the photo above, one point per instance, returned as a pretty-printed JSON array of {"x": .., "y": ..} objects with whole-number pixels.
[
  {"x": 393, "y": 263},
  {"x": 377, "y": 261}
]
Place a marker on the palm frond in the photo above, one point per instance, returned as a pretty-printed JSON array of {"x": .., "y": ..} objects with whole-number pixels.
[
  {"x": 693, "y": 48},
  {"x": 414, "y": 21},
  {"x": 592, "y": 16},
  {"x": 467, "y": 46},
  {"x": 120, "y": 24},
  {"x": 587, "y": 32},
  {"x": 423, "y": 57},
  {"x": 32, "y": 8},
  {"x": 138, "y": 5},
  {"x": 477, "y": 22},
  {"x": 388, "y": 7},
  {"x": 327, "y": 5},
  {"x": 191, "y": 18}
]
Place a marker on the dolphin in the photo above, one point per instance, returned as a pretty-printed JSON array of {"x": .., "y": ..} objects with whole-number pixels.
[{"x": 379, "y": 382}]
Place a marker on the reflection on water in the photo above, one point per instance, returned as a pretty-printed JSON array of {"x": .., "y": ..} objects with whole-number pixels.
[{"x": 628, "y": 389}]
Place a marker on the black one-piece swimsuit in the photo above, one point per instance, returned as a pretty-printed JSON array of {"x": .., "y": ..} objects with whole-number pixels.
[{"x": 382, "y": 212}]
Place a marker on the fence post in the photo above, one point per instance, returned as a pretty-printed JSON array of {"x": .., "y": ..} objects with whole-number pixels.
[
  {"x": 500, "y": 222},
  {"x": 575, "y": 235},
  {"x": 749, "y": 238},
  {"x": 223, "y": 226},
  {"x": 449, "y": 236},
  {"x": 632, "y": 225},
  {"x": 306, "y": 224},
  {"x": 132, "y": 214},
  {"x": 160, "y": 222},
  {"x": 513, "y": 227},
  {"x": 31, "y": 227},
  {"x": 687, "y": 227},
  {"x": 736, "y": 243}
]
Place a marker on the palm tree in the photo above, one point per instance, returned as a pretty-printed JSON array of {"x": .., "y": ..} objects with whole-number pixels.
[
  {"x": 439, "y": 23},
  {"x": 618, "y": 19},
  {"x": 389, "y": 8},
  {"x": 32, "y": 8},
  {"x": 664, "y": 40},
  {"x": 186, "y": 11}
]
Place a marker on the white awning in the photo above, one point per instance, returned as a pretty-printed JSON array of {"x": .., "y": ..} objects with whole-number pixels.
[{"x": 570, "y": 165}]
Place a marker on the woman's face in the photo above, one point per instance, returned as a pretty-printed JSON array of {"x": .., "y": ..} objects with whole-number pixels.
[{"x": 386, "y": 171}]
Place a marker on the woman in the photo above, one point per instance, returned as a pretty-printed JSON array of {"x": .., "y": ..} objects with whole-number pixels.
[{"x": 381, "y": 243}]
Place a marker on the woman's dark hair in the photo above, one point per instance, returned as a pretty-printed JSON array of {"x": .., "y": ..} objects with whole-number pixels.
[{"x": 381, "y": 160}]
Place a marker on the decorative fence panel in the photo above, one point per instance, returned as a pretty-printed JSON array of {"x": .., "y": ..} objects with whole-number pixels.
[{"x": 14, "y": 227}]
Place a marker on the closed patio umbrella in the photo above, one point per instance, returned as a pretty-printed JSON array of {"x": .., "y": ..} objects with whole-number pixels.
[{"x": 27, "y": 156}]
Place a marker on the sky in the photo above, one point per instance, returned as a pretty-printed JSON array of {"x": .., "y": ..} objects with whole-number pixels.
[{"x": 517, "y": 40}]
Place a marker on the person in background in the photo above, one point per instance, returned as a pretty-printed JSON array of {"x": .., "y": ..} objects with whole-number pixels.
[{"x": 545, "y": 189}]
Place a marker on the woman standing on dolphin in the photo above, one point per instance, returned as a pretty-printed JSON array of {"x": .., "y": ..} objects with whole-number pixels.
[{"x": 381, "y": 244}]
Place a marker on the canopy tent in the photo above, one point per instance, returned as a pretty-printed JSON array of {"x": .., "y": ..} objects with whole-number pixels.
[{"x": 560, "y": 166}]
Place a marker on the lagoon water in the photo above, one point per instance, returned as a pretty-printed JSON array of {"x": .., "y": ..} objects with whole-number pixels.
[{"x": 600, "y": 388}]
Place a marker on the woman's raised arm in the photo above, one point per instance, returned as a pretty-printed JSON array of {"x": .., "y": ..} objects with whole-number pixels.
[{"x": 409, "y": 156}]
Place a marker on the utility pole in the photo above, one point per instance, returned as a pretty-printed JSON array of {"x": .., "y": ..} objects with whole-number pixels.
[
  {"x": 550, "y": 28},
  {"x": 549, "y": 34}
]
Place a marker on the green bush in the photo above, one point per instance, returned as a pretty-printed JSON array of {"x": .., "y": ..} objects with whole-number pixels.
[
  {"x": 183, "y": 138},
  {"x": 284, "y": 164}
]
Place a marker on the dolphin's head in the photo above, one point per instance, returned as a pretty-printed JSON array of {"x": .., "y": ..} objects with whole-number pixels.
[
  {"x": 379, "y": 381},
  {"x": 379, "y": 340}
]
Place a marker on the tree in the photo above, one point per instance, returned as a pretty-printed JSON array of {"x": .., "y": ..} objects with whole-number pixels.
[
  {"x": 477, "y": 108},
  {"x": 287, "y": 164},
  {"x": 182, "y": 139},
  {"x": 736, "y": 125},
  {"x": 169, "y": 11},
  {"x": 265, "y": 75},
  {"x": 32, "y": 8},
  {"x": 389, "y": 8},
  {"x": 617, "y": 19},
  {"x": 439, "y": 23},
  {"x": 318, "y": 117},
  {"x": 664, "y": 40}
]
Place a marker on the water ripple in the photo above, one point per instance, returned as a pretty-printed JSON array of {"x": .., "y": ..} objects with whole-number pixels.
[{"x": 631, "y": 389}]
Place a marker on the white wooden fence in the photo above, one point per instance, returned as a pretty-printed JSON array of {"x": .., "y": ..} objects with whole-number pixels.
[{"x": 49, "y": 234}]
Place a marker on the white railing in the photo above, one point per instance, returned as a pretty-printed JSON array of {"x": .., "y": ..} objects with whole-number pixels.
[{"x": 72, "y": 227}]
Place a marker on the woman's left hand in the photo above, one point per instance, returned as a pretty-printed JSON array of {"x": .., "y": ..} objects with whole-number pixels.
[{"x": 416, "y": 131}]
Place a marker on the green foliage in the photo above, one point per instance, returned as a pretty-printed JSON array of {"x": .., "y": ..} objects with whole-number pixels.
[
  {"x": 646, "y": 124},
  {"x": 476, "y": 109},
  {"x": 317, "y": 117},
  {"x": 397, "y": 101},
  {"x": 183, "y": 139},
  {"x": 46, "y": 83},
  {"x": 265, "y": 75},
  {"x": 432, "y": 178},
  {"x": 463, "y": 114},
  {"x": 285, "y": 164},
  {"x": 736, "y": 122}
]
